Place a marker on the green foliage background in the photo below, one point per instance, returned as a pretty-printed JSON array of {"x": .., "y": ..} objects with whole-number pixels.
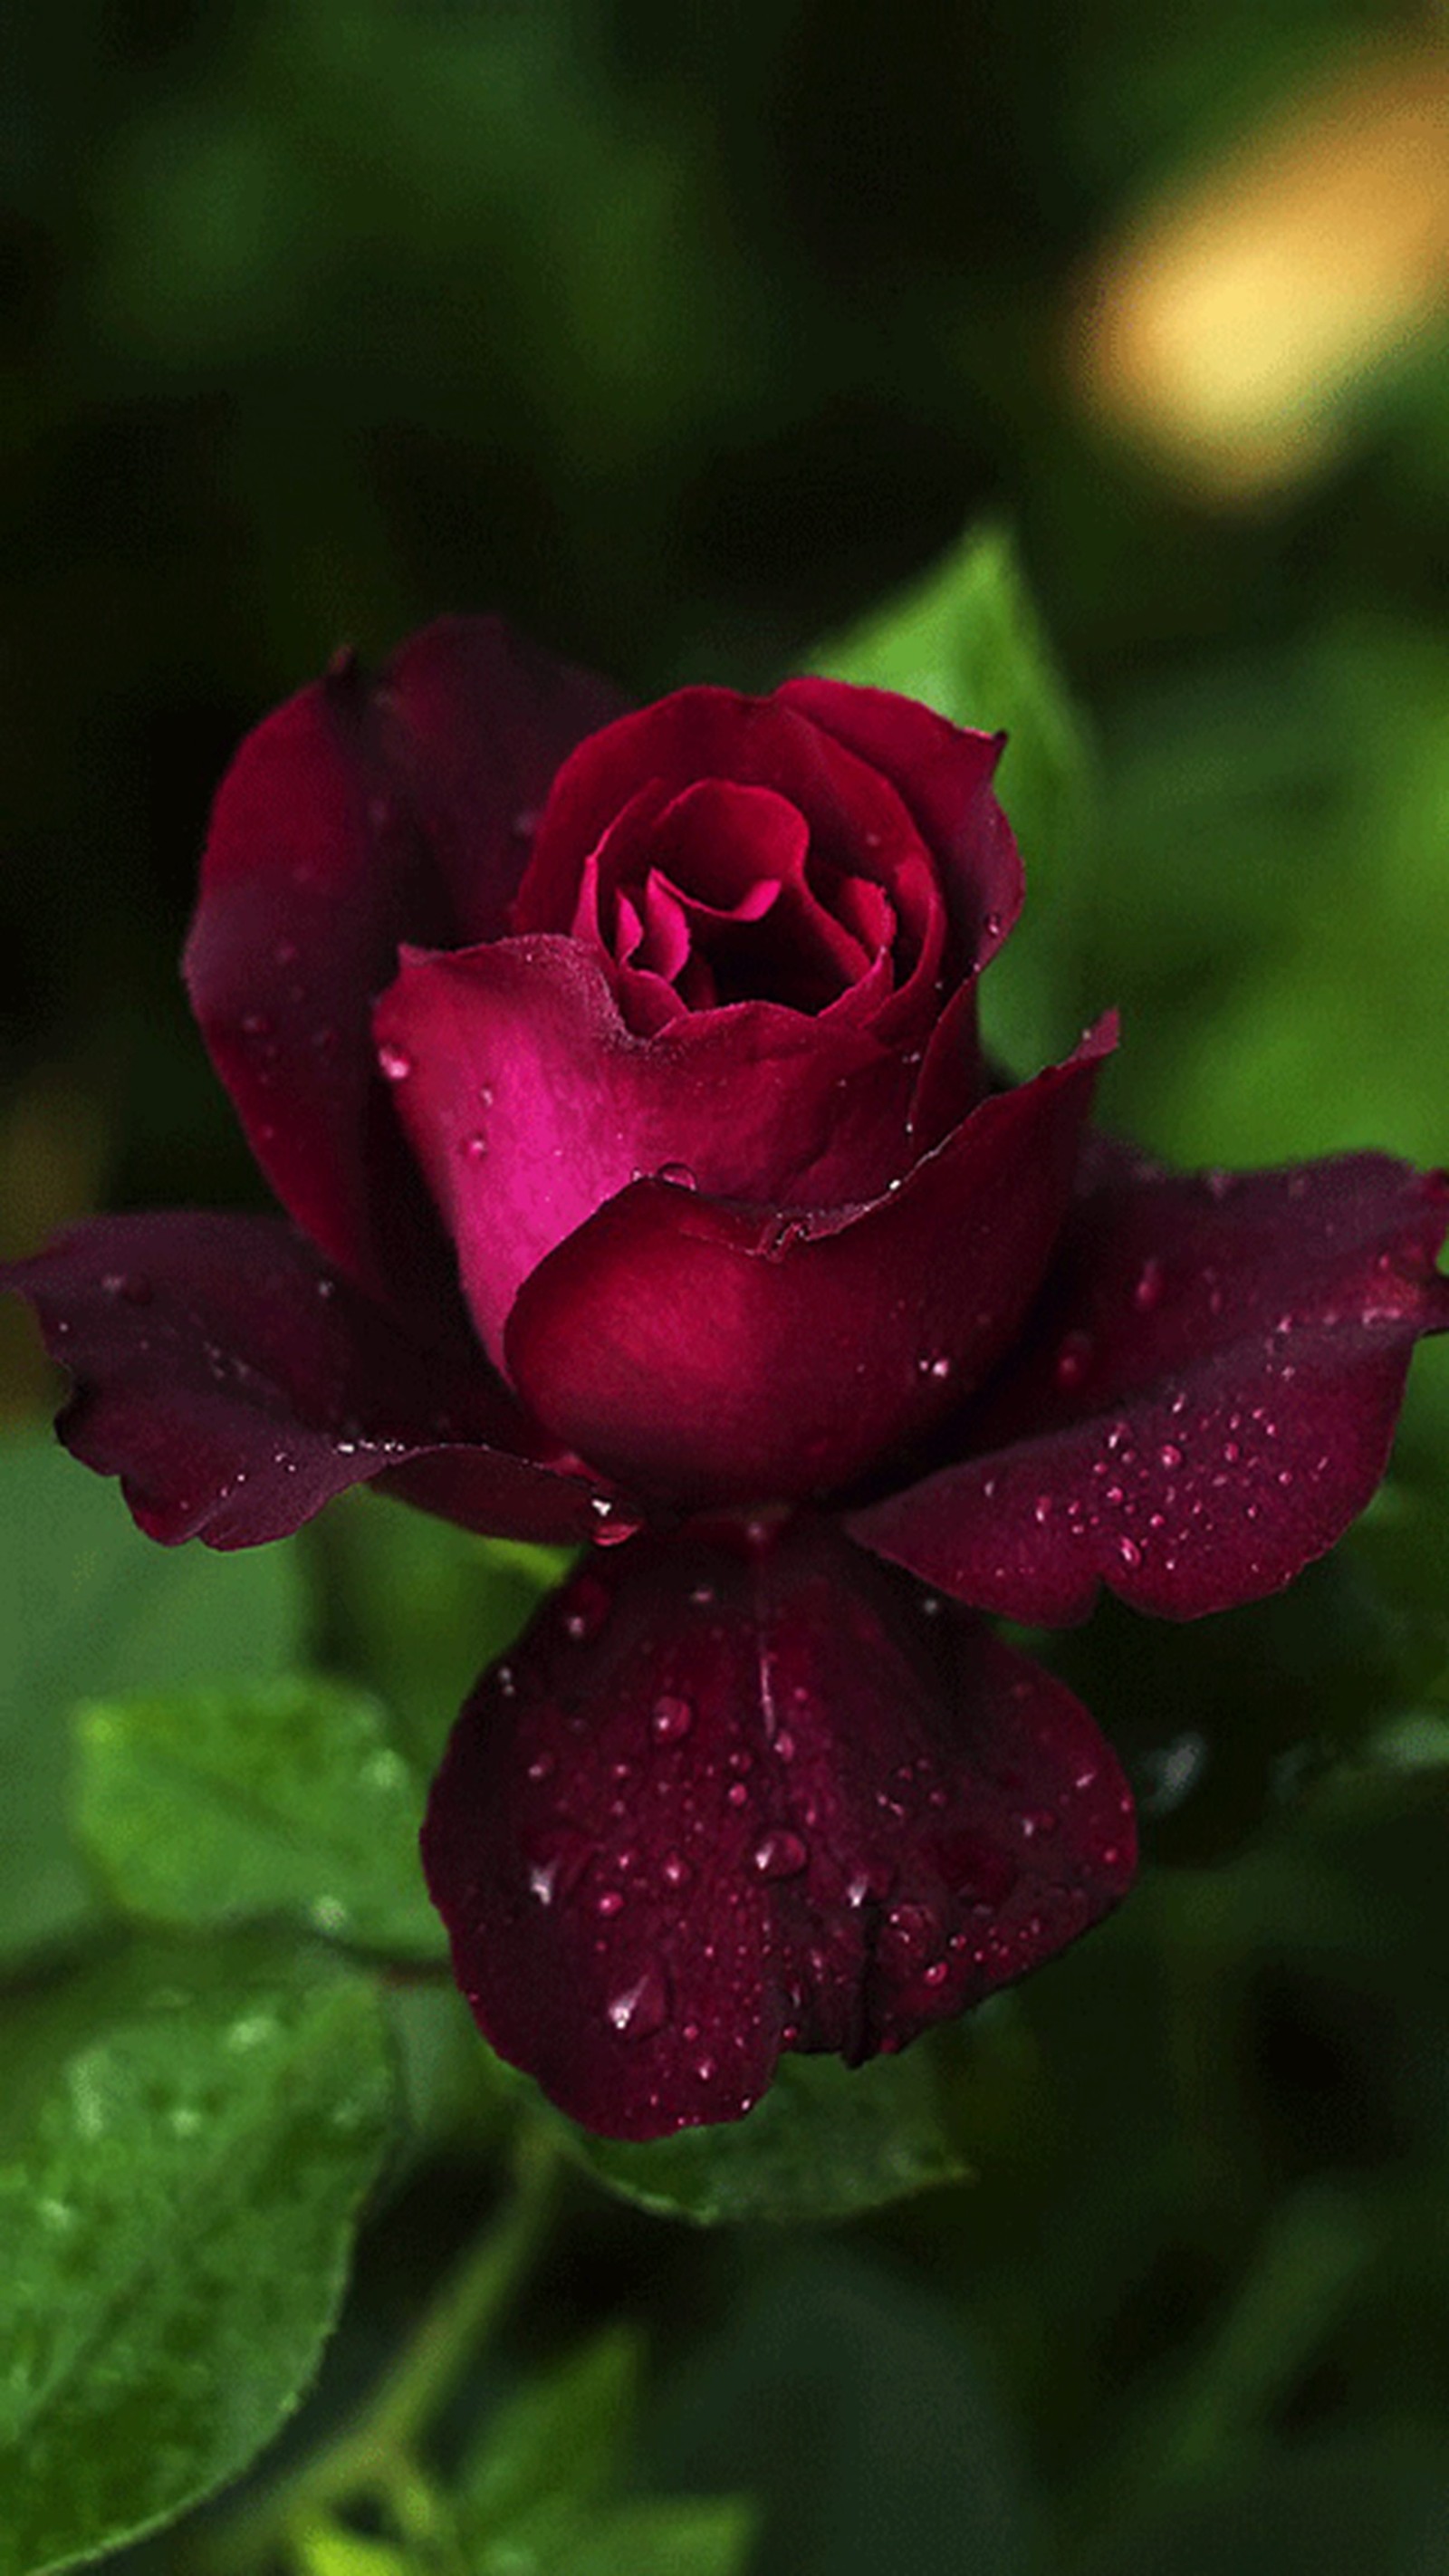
[{"x": 690, "y": 337}]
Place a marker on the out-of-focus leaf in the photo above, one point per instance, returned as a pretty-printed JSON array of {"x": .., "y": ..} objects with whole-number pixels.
[
  {"x": 417, "y": 1608},
  {"x": 562, "y": 2437},
  {"x": 967, "y": 641},
  {"x": 873, "y": 2438},
  {"x": 186, "y": 2139},
  {"x": 1380, "y": 2505},
  {"x": 286, "y": 1799},
  {"x": 825, "y": 2141},
  {"x": 89, "y": 1605},
  {"x": 688, "y": 2536}
]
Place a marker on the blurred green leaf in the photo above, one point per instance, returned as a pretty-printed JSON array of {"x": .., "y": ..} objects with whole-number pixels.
[
  {"x": 532, "y": 2492},
  {"x": 825, "y": 2141},
  {"x": 874, "y": 2438},
  {"x": 1380, "y": 2506},
  {"x": 88, "y": 1605},
  {"x": 187, "y": 2137},
  {"x": 968, "y": 641},
  {"x": 690, "y": 2536},
  {"x": 418, "y": 1609},
  {"x": 282, "y": 1799},
  {"x": 562, "y": 2436}
]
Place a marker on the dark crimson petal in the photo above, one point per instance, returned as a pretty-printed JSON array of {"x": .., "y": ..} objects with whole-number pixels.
[
  {"x": 725, "y": 1801},
  {"x": 235, "y": 1383},
  {"x": 1207, "y": 1398},
  {"x": 359, "y": 815},
  {"x": 529, "y": 1103},
  {"x": 943, "y": 774},
  {"x": 709, "y": 1353}
]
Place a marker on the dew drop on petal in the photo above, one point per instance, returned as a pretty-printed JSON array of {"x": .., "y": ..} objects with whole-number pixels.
[
  {"x": 394, "y": 1062},
  {"x": 680, "y": 1176},
  {"x": 473, "y": 1149},
  {"x": 1131, "y": 1554},
  {"x": 779, "y": 1854},
  {"x": 1170, "y": 1454},
  {"x": 1149, "y": 1285},
  {"x": 641, "y": 2008},
  {"x": 670, "y": 1719},
  {"x": 1074, "y": 1358}
]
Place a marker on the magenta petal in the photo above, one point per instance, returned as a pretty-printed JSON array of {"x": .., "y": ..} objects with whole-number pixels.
[
  {"x": 235, "y": 1383},
  {"x": 722, "y": 1802},
  {"x": 1207, "y": 1399},
  {"x": 529, "y": 1103},
  {"x": 711, "y": 1353},
  {"x": 942, "y": 773},
  {"x": 359, "y": 815}
]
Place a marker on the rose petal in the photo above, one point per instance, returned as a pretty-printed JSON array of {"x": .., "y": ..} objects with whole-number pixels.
[
  {"x": 709, "y": 1353},
  {"x": 853, "y": 811},
  {"x": 720, "y": 1803},
  {"x": 529, "y": 1103},
  {"x": 235, "y": 1383},
  {"x": 943, "y": 774},
  {"x": 358, "y": 815},
  {"x": 1207, "y": 1399}
]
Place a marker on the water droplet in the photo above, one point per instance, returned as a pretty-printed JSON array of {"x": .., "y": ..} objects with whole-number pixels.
[
  {"x": 938, "y": 1367},
  {"x": 1149, "y": 1285},
  {"x": 1074, "y": 1358},
  {"x": 129, "y": 1285},
  {"x": 780, "y": 1854},
  {"x": 670, "y": 1719},
  {"x": 609, "y": 1902},
  {"x": 394, "y": 1062},
  {"x": 613, "y": 1527},
  {"x": 473, "y": 1149},
  {"x": 1129, "y": 1551},
  {"x": 680, "y": 1176},
  {"x": 675, "y": 1871},
  {"x": 585, "y": 1608},
  {"x": 1170, "y": 1454},
  {"x": 737, "y": 1795},
  {"x": 637, "y": 2011},
  {"x": 1042, "y": 1509}
]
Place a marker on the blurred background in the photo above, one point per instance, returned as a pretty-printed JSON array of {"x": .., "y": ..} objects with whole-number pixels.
[{"x": 684, "y": 335}]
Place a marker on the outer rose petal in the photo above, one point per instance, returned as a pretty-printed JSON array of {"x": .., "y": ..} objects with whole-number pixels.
[
  {"x": 707, "y": 1353},
  {"x": 528, "y": 1104},
  {"x": 361, "y": 814},
  {"x": 720, "y": 1803},
  {"x": 943, "y": 773},
  {"x": 234, "y": 1383},
  {"x": 1207, "y": 1398}
]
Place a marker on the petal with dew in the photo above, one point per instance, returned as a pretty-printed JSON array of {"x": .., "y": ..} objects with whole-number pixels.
[{"x": 728, "y": 1799}]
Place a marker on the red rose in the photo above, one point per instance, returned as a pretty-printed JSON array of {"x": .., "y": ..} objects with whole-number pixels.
[{"x": 654, "y": 1035}]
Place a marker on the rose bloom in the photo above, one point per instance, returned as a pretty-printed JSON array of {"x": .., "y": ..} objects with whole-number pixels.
[{"x": 646, "y": 1186}]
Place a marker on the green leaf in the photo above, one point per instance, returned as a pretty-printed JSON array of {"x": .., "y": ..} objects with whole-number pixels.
[
  {"x": 826, "y": 2141},
  {"x": 418, "y": 1609},
  {"x": 693, "y": 2536},
  {"x": 967, "y": 640},
  {"x": 89, "y": 1605},
  {"x": 1379, "y": 2503},
  {"x": 285, "y": 1799},
  {"x": 562, "y": 2435},
  {"x": 186, "y": 2139},
  {"x": 875, "y": 2441}
]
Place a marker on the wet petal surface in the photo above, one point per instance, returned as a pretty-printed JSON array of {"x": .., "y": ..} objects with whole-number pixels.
[
  {"x": 1206, "y": 1398},
  {"x": 728, "y": 1799},
  {"x": 234, "y": 1382}
]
